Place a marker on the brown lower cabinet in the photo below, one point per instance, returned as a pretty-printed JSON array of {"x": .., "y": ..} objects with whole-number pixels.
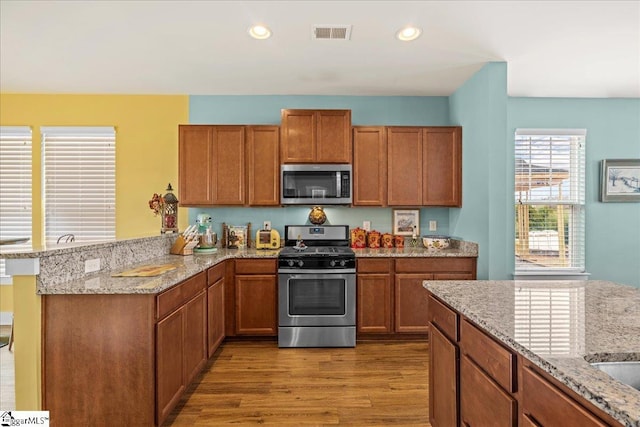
[
  {"x": 256, "y": 297},
  {"x": 181, "y": 352},
  {"x": 476, "y": 381},
  {"x": 391, "y": 298},
  {"x": 131, "y": 356}
]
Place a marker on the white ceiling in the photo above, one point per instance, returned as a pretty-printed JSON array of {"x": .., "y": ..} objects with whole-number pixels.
[{"x": 552, "y": 48}]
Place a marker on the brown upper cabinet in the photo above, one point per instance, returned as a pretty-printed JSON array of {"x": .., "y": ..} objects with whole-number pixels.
[
  {"x": 315, "y": 136},
  {"x": 424, "y": 166},
  {"x": 369, "y": 166},
  {"x": 231, "y": 165},
  {"x": 263, "y": 165}
]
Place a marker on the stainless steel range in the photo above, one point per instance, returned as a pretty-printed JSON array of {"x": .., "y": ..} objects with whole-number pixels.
[{"x": 316, "y": 287}]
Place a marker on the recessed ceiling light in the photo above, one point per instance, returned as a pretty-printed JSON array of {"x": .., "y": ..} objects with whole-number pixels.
[
  {"x": 259, "y": 32},
  {"x": 408, "y": 33}
]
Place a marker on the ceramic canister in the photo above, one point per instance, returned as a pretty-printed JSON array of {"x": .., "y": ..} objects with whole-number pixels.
[
  {"x": 399, "y": 241},
  {"x": 358, "y": 238},
  {"x": 387, "y": 240},
  {"x": 373, "y": 238}
]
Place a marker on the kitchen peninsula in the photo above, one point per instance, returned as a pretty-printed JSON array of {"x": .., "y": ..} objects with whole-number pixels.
[
  {"x": 111, "y": 345},
  {"x": 520, "y": 352}
]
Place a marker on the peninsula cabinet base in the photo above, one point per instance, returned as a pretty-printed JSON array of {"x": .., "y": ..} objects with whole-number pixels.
[{"x": 98, "y": 358}]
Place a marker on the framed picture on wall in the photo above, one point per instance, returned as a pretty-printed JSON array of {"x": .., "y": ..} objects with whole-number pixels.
[
  {"x": 404, "y": 221},
  {"x": 620, "y": 180}
]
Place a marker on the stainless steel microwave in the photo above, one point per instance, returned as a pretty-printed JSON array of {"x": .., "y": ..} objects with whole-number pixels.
[{"x": 315, "y": 184}]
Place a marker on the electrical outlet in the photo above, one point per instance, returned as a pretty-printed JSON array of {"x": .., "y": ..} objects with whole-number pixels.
[
  {"x": 366, "y": 225},
  {"x": 92, "y": 265},
  {"x": 266, "y": 225},
  {"x": 433, "y": 225}
]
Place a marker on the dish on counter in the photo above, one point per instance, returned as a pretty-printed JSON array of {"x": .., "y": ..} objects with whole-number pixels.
[{"x": 436, "y": 241}]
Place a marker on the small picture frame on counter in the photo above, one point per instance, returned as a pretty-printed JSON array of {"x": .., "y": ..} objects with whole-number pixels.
[
  {"x": 620, "y": 180},
  {"x": 405, "y": 221}
]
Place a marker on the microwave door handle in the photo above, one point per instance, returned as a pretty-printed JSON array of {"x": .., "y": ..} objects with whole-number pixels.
[{"x": 338, "y": 185}]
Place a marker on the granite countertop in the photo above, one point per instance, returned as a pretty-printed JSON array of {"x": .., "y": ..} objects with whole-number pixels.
[
  {"x": 186, "y": 267},
  {"x": 577, "y": 322}
]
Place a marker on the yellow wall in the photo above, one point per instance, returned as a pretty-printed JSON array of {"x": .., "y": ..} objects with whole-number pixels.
[
  {"x": 146, "y": 160},
  {"x": 6, "y": 298},
  {"x": 146, "y": 147}
]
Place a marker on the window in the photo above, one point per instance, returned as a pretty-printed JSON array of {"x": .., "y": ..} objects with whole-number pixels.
[
  {"x": 78, "y": 183},
  {"x": 549, "y": 200},
  {"x": 15, "y": 185}
]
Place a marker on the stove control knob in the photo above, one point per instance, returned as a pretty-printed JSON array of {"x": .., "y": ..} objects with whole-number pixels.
[
  {"x": 290, "y": 262},
  {"x": 300, "y": 263},
  {"x": 343, "y": 263},
  {"x": 332, "y": 263}
]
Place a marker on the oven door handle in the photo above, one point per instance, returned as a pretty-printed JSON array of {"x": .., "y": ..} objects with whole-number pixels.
[{"x": 324, "y": 271}]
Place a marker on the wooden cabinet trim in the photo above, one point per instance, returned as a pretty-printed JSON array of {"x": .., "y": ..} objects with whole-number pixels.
[
  {"x": 444, "y": 318},
  {"x": 256, "y": 266},
  {"x": 435, "y": 265},
  {"x": 537, "y": 395},
  {"x": 443, "y": 380},
  {"x": 482, "y": 401},
  {"x": 216, "y": 273},
  {"x": 374, "y": 265},
  {"x": 493, "y": 358},
  {"x": 179, "y": 294}
]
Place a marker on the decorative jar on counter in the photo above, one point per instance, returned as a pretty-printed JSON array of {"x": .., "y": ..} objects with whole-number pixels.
[
  {"x": 358, "y": 238},
  {"x": 373, "y": 238},
  {"x": 387, "y": 240}
]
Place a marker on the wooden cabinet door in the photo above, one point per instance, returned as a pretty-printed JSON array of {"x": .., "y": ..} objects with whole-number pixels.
[
  {"x": 256, "y": 305},
  {"x": 443, "y": 380},
  {"x": 411, "y": 303},
  {"x": 442, "y": 167},
  {"x": 170, "y": 374},
  {"x": 549, "y": 406},
  {"x": 374, "y": 303},
  {"x": 215, "y": 316},
  {"x": 298, "y": 136},
  {"x": 404, "y": 179},
  {"x": 482, "y": 401},
  {"x": 369, "y": 166},
  {"x": 195, "y": 165},
  {"x": 263, "y": 165},
  {"x": 333, "y": 133},
  {"x": 228, "y": 173},
  {"x": 195, "y": 336}
]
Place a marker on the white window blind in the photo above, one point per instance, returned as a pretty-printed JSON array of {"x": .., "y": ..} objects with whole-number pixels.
[
  {"x": 15, "y": 186},
  {"x": 549, "y": 199},
  {"x": 79, "y": 183},
  {"x": 551, "y": 320}
]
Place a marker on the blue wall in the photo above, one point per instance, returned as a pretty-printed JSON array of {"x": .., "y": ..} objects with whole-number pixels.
[
  {"x": 613, "y": 132},
  {"x": 489, "y": 119},
  {"x": 480, "y": 107},
  {"x": 365, "y": 110}
]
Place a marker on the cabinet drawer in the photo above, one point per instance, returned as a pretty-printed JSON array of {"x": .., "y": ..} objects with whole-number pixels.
[
  {"x": 381, "y": 265},
  {"x": 256, "y": 266},
  {"x": 215, "y": 273},
  {"x": 176, "y": 296},
  {"x": 482, "y": 401},
  {"x": 445, "y": 318},
  {"x": 435, "y": 265},
  {"x": 496, "y": 360},
  {"x": 546, "y": 405}
]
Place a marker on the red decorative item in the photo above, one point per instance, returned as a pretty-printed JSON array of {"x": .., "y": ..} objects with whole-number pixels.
[
  {"x": 358, "y": 238},
  {"x": 387, "y": 240},
  {"x": 373, "y": 239}
]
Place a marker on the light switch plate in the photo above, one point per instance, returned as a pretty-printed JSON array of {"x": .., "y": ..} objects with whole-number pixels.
[
  {"x": 266, "y": 225},
  {"x": 433, "y": 225},
  {"x": 92, "y": 265},
  {"x": 366, "y": 225}
]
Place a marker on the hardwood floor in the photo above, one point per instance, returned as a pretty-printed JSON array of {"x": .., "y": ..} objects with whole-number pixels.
[{"x": 374, "y": 383}]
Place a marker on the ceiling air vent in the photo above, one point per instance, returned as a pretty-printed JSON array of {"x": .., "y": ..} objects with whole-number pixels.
[{"x": 331, "y": 32}]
